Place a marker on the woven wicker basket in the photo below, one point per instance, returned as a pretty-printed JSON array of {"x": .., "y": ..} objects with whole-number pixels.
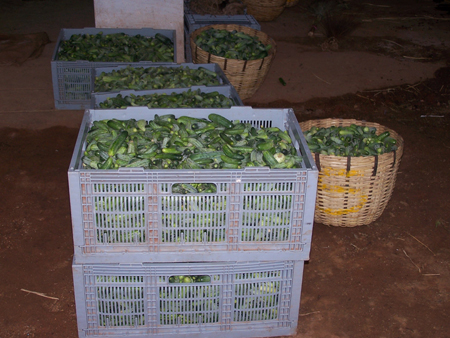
[
  {"x": 354, "y": 191},
  {"x": 245, "y": 76},
  {"x": 291, "y": 3},
  {"x": 265, "y": 10}
]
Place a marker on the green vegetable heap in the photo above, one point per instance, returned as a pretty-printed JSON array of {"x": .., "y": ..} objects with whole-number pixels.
[
  {"x": 187, "y": 99},
  {"x": 117, "y": 47},
  {"x": 155, "y": 78},
  {"x": 232, "y": 44},
  {"x": 187, "y": 143},
  {"x": 352, "y": 140}
]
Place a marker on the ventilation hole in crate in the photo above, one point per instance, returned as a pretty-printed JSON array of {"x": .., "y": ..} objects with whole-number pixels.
[
  {"x": 258, "y": 124},
  {"x": 77, "y": 86},
  {"x": 120, "y": 301},
  {"x": 266, "y": 218},
  {"x": 120, "y": 219},
  {"x": 222, "y": 187},
  {"x": 194, "y": 188},
  {"x": 118, "y": 187},
  {"x": 256, "y": 301},
  {"x": 193, "y": 218},
  {"x": 190, "y": 279},
  {"x": 269, "y": 187},
  {"x": 188, "y": 303},
  {"x": 258, "y": 275},
  {"x": 75, "y": 70}
]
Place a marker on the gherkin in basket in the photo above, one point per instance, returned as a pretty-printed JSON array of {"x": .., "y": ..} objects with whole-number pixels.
[{"x": 245, "y": 74}]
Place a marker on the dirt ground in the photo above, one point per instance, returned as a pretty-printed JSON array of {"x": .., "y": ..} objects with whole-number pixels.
[{"x": 388, "y": 279}]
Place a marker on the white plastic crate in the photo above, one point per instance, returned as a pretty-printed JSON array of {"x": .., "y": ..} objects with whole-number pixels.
[
  {"x": 257, "y": 213},
  {"x": 73, "y": 81},
  {"x": 228, "y": 299}
]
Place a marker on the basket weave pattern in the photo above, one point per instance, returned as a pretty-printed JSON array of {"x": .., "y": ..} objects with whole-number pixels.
[
  {"x": 245, "y": 75},
  {"x": 291, "y": 3},
  {"x": 354, "y": 191},
  {"x": 265, "y": 10}
]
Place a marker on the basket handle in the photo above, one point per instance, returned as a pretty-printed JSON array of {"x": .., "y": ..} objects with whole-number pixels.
[
  {"x": 395, "y": 158},
  {"x": 317, "y": 160},
  {"x": 375, "y": 166}
]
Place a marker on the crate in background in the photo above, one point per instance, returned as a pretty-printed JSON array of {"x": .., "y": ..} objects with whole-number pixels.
[
  {"x": 220, "y": 299},
  {"x": 73, "y": 80},
  {"x": 194, "y": 21},
  {"x": 256, "y": 212},
  {"x": 228, "y": 91}
]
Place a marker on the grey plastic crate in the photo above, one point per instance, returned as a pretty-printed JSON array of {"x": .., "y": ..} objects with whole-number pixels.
[
  {"x": 214, "y": 67},
  {"x": 257, "y": 212},
  {"x": 241, "y": 299},
  {"x": 193, "y": 22},
  {"x": 227, "y": 91},
  {"x": 73, "y": 81}
]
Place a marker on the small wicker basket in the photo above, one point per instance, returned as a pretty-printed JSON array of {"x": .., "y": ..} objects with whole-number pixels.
[
  {"x": 291, "y": 3},
  {"x": 265, "y": 10},
  {"x": 354, "y": 191},
  {"x": 245, "y": 75}
]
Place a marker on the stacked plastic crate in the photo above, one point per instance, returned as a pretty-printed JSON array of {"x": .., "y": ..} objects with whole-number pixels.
[
  {"x": 150, "y": 262},
  {"x": 73, "y": 81},
  {"x": 223, "y": 86},
  {"x": 193, "y": 21}
]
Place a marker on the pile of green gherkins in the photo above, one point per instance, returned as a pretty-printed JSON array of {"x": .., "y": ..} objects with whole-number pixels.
[
  {"x": 186, "y": 142},
  {"x": 232, "y": 44},
  {"x": 161, "y": 77},
  {"x": 117, "y": 47}
]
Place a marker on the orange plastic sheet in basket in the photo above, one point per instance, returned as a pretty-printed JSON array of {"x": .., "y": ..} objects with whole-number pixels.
[{"x": 342, "y": 190}]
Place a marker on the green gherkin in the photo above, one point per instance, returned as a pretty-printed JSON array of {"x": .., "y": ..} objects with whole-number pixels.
[{"x": 232, "y": 44}]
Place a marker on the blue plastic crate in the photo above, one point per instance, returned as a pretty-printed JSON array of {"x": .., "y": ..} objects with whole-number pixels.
[
  {"x": 73, "y": 81},
  {"x": 226, "y": 300},
  {"x": 256, "y": 213}
]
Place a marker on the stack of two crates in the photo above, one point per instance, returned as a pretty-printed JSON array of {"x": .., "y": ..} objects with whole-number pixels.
[
  {"x": 150, "y": 262},
  {"x": 74, "y": 82}
]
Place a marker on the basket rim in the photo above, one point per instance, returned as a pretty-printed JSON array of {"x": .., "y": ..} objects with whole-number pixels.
[
  {"x": 357, "y": 161},
  {"x": 394, "y": 134},
  {"x": 231, "y": 27}
]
